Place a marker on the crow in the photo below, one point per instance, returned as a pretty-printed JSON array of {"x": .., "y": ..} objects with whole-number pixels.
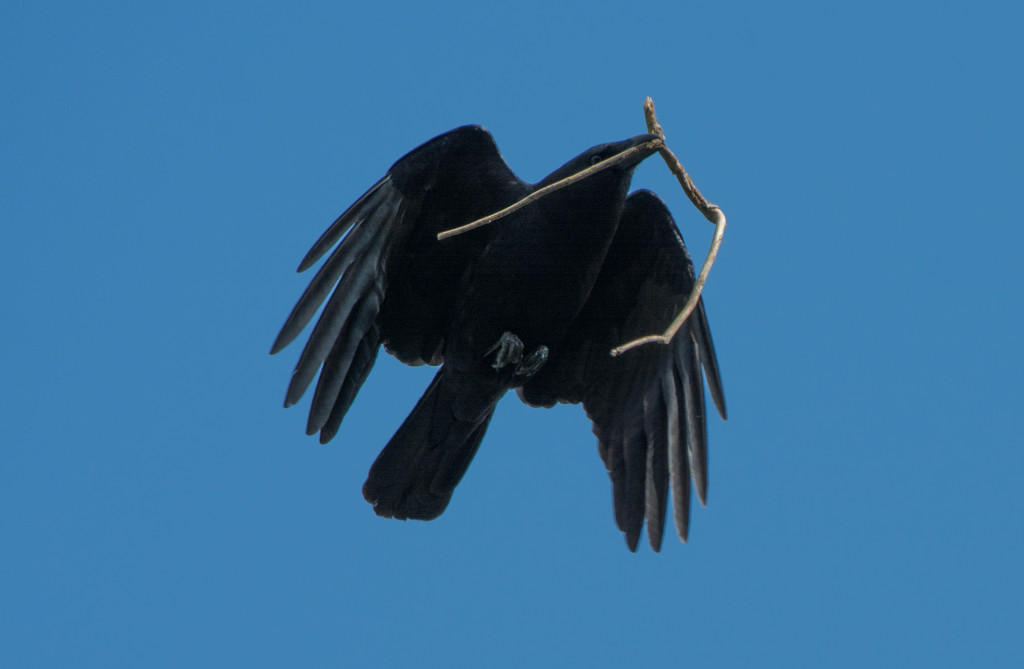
[{"x": 534, "y": 302}]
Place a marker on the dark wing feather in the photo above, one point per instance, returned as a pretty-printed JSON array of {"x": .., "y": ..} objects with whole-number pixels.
[
  {"x": 388, "y": 280},
  {"x": 647, "y": 406}
]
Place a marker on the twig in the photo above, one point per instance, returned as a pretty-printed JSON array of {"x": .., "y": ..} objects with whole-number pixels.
[
  {"x": 711, "y": 212},
  {"x": 550, "y": 188}
]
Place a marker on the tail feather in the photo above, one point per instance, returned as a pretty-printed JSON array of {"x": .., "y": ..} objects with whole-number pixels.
[{"x": 417, "y": 472}]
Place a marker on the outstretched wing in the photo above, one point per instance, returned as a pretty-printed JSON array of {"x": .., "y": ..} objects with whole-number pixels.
[
  {"x": 647, "y": 405},
  {"x": 389, "y": 280}
]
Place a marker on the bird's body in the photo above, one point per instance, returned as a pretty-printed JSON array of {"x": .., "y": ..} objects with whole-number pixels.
[{"x": 534, "y": 302}]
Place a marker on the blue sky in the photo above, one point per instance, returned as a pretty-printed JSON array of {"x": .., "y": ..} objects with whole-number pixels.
[{"x": 164, "y": 166}]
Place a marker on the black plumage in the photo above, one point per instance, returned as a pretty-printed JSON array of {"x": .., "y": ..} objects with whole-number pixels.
[{"x": 534, "y": 302}]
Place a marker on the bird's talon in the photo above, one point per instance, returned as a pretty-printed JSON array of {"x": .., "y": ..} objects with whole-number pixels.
[
  {"x": 532, "y": 363},
  {"x": 509, "y": 351}
]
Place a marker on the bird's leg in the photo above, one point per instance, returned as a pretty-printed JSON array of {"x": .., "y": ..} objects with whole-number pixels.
[{"x": 510, "y": 352}]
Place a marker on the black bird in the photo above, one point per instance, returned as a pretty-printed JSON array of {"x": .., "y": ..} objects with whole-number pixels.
[{"x": 534, "y": 302}]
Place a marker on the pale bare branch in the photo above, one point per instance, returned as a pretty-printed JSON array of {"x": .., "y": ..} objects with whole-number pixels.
[{"x": 711, "y": 212}]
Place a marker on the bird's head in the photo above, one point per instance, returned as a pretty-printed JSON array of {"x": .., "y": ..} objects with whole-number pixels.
[{"x": 618, "y": 158}]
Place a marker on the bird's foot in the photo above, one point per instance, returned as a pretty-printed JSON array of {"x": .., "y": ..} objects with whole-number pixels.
[
  {"x": 510, "y": 352},
  {"x": 532, "y": 363}
]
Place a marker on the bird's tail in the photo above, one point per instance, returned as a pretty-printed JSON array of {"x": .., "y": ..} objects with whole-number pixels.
[{"x": 416, "y": 473}]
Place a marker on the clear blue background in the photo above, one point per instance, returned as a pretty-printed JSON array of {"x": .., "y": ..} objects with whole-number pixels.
[{"x": 164, "y": 166}]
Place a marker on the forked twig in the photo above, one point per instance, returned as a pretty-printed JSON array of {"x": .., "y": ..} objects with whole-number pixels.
[
  {"x": 550, "y": 188},
  {"x": 711, "y": 212}
]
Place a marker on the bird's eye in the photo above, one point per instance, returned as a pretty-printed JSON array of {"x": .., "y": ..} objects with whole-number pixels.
[{"x": 596, "y": 158}]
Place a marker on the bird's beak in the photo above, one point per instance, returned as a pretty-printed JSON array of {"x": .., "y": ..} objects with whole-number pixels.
[{"x": 642, "y": 146}]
